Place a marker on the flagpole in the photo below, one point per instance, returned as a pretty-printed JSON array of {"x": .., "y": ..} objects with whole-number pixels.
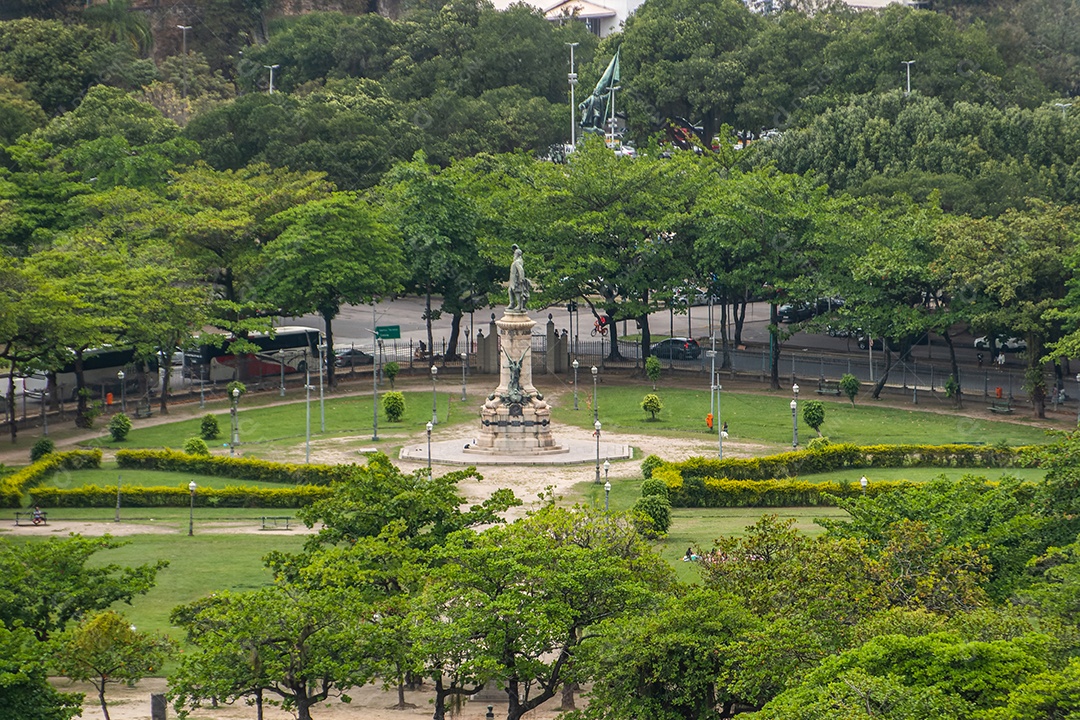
[{"x": 572, "y": 78}]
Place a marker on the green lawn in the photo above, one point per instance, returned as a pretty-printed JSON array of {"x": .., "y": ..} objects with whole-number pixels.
[
  {"x": 110, "y": 474},
  {"x": 265, "y": 431},
  {"x": 765, "y": 417}
]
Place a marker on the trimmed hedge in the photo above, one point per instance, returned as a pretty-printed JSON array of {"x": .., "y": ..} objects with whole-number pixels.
[
  {"x": 15, "y": 485},
  {"x": 92, "y": 496},
  {"x": 765, "y": 481},
  {"x": 233, "y": 467},
  {"x": 840, "y": 456}
]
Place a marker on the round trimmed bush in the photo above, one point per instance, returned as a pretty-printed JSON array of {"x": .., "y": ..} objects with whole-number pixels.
[
  {"x": 656, "y": 511},
  {"x": 393, "y": 404},
  {"x": 649, "y": 464},
  {"x": 119, "y": 426},
  {"x": 209, "y": 428},
  {"x": 652, "y": 404},
  {"x": 391, "y": 369},
  {"x": 652, "y": 486},
  {"x": 196, "y": 446},
  {"x": 41, "y": 448},
  {"x": 818, "y": 443}
]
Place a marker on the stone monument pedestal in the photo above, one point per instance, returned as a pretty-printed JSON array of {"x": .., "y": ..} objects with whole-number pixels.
[{"x": 515, "y": 420}]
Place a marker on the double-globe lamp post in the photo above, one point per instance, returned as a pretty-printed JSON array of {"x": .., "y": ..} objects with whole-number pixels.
[
  {"x": 123, "y": 392},
  {"x": 434, "y": 397},
  {"x": 575, "y": 365},
  {"x": 429, "y": 427},
  {"x": 235, "y": 421},
  {"x": 596, "y": 428},
  {"x": 595, "y": 409},
  {"x": 795, "y": 417},
  {"x": 191, "y": 514}
]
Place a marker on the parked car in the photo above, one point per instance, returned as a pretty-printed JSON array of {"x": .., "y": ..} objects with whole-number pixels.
[
  {"x": 1003, "y": 344},
  {"x": 350, "y": 356},
  {"x": 676, "y": 348},
  {"x": 794, "y": 312}
]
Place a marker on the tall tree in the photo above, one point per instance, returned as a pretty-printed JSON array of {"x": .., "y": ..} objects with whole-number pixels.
[
  {"x": 48, "y": 584},
  {"x": 105, "y": 648},
  {"x": 439, "y": 225},
  {"x": 330, "y": 252},
  {"x": 530, "y": 592}
]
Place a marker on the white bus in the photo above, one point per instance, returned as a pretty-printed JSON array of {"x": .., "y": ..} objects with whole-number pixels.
[
  {"x": 289, "y": 348},
  {"x": 101, "y": 368}
]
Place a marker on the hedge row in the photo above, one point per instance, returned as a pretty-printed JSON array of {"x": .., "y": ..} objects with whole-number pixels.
[
  {"x": 232, "y": 467},
  {"x": 91, "y": 496},
  {"x": 723, "y": 492},
  {"x": 15, "y": 485},
  {"x": 837, "y": 457}
]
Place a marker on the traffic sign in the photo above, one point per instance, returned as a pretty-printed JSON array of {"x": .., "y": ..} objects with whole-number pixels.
[{"x": 388, "y": 332}]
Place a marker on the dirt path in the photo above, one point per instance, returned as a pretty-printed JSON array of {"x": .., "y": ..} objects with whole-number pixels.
[{"x": 368, "y": 703}]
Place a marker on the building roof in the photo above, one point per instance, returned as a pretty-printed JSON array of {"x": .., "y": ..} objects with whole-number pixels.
[{"x": 580, "y": 8}]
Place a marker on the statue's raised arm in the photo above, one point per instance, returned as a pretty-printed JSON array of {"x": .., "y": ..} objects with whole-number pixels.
[{"x": 519, "y": 284}]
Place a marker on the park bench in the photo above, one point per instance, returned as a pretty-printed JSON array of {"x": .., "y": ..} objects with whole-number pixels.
[
  {"x": 276, "y": 523},
  {"x": 828, "y": 387},
  {"x": 29, "y": 518},
  {"x": 143, "y": 409},
  {"x": 1001, "y": 407}
]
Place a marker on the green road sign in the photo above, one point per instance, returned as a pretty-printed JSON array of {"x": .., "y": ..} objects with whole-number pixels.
[{"x": 388, "y": 332}]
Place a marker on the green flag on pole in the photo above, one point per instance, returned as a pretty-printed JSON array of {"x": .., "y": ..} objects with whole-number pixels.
[{"x": 596, "y": 109}]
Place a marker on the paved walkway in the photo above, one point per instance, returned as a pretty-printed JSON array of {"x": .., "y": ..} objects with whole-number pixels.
[{"x": 572, "y": 452}]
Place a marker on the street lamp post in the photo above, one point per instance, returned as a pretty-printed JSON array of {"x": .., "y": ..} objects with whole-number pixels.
[
  {"x": 44, "y": 413},
  {"x": 862, "y": 483},
  {"x": 596, "y": 427},
  {"x": 1078, "y": 398},
  {"x": 235, "y": 421},
  {"x": 719, "y": 425},
  {"x": 607, "y": 467},
  {"x": 271, "y": 68},
  {"x": 429, "y": 427},
  {"x": 191, "y": 513},
  {"x": 595, "y": 410},
  {"x": 123, "y": 392},
  {"x": 464, "y": 363},
  {"x": 908, "y": 64},
  {"x": 572, "y": 79},
  {"x": 607, "y": 494},
  {"x": 434, "y": 397},
  {"x": 795, "y": 417},
  {"x": 575, "y": 365},
  {"x": 323, "y": 354},
  {"x": 184, "y": 29},
  {"x": 307, "y": 403}
]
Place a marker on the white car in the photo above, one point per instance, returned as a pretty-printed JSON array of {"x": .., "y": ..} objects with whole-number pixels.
[{"x": 1004, "y": 344}]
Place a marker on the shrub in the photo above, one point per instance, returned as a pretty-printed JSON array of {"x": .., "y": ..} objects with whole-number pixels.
[
  {"x": 209, "y": 428},
  {"x": 240, "y": 468},
  {"x": 850, "y": 386},
  {"x": 13, "y": 486},
  {"x": 813, "y": 413},
  {"x": 818, "y": 443},
  {"x": 652, "y": 404},
  {"x": 196, "y": 446},
  {"x": 656, "y": 511},
  {"x": 393, "y": 404},
  {"x": 41, "y": 448},
  {"x": 391, "y": 369},
  {"x": 652, "y": 369},
  {"x": 235, "y": 385},
  {"x": 119, "y": 426},
  {"x": 649, "y": 464},
  {"x": 654, "y": 486}
]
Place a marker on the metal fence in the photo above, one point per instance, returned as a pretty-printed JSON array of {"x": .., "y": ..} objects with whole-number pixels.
[{"x": 922, "y": 378}]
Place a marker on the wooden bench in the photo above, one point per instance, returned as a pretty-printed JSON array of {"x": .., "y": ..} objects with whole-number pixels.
[
  {"x": 828, "y": 387},
  {"x": 30, "y": 518},
  {"x": 1001, "y": 407},
  {"x": 276, "y": 523}
]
